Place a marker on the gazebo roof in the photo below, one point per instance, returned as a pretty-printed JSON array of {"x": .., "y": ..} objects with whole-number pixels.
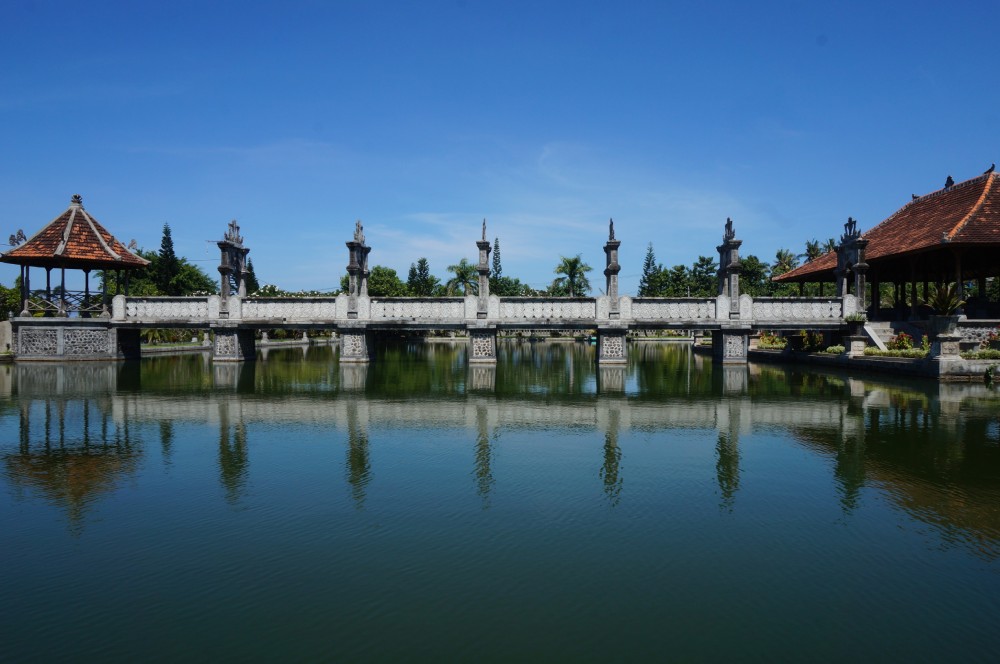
[
  {"x": 966, "y": 214},
  {"x": 75, "y": 240}
]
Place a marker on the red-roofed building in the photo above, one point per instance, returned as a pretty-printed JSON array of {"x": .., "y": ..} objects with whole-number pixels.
[
  {"x": 950, "y": 235},
  {"x": 73, "y": 240}
]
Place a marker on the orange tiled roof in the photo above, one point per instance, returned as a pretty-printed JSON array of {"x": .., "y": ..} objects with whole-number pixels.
[
  {"x": 74, "y": 239},
  {"x": 962, "y": 214}
]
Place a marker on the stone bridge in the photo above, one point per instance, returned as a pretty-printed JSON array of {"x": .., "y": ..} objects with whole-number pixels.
[{"x": 234, "y": 318}]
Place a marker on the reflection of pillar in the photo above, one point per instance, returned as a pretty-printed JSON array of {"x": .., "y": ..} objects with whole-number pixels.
[
  {"x": 233, "y": 458},
  {"x": 353, "y": 376},
  {"x": 727, "y": 468},
  {"x": 611, "y": 465},
  {"x": 482, "y": 377},
  {"x": 611, "y": 379},
  {"x": 484, "y": 456},
  {"x": 358, "y": 463},
  {"x": 735, "y": 379}
]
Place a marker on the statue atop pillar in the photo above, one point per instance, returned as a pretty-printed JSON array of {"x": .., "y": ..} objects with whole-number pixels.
[
  {"x": 611, "y": 270},
  {"x": 730, "y": 267},
  {"x": 483, "y": 301},
  {"x": 233, "y": 264}
]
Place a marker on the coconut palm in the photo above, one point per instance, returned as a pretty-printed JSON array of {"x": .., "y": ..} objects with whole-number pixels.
[
  {"x": 784, "y": 261},
  {"x": 574, "y": 278},
  {"x": 466, "y": 278}
]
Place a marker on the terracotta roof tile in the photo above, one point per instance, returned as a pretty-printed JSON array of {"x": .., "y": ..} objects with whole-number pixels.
[
  {"x": 965, "y": 213},
  {"x": 74, "y": 239}
]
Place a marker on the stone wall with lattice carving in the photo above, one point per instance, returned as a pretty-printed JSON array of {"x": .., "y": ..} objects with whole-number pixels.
[
  {"x": 151, "y": 308},
  {"x": 792, "y": 309},
  {"x": 86, "y": 342},
  {"x": 35, "y": 341},
  {"x": 677, "y": 309},
  {"x": 548, "y": 309},
  {"x": 418, "y": 309}
]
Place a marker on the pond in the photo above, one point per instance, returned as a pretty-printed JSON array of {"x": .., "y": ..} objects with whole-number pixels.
[{"x": 543, "y": 509}]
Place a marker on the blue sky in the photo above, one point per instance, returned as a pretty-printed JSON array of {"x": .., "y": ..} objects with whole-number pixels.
[{"x": 546, "y": 118}]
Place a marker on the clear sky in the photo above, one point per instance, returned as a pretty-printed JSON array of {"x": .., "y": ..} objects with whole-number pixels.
[{"x": 546, "y": 118}]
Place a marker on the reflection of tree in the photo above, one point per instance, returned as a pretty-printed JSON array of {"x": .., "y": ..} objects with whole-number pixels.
[
  {"x": 234, "y": 460},
  {"x": 484, "y": 456},
  {"x": 71, "y": 467},
  {"x": 358, "y": 461},
  {"x": 727, "y": 468},
  {"x": 611, "y": 468}
]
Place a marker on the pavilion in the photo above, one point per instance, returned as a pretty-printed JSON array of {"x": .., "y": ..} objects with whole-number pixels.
[
  {"x": 73, "y": 240},
  {"x": 947, "y": 236}
]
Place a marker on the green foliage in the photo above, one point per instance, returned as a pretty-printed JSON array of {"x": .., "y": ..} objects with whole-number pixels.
[
  {"x": 901, "y": 341},
  {"x": 834, "y": 350},
  {"x": 704, "y": 281},
  {"x": 771, "y": 341},
  {"x": 251, "y": 279},
  {"x": 650, "y": 274},
  {"x": 187, "y": 279},
  {"x": 384, "y": 282},
  {"x": 510, "y": 287},
  {"x": 574, "y": 282},
  {"x": 497, "y": 271},
  {"x": 813, "y": 250},
  {"x": 811, "y": 341},
  {"x": 912, "y": 353},
  {"x": 420, "y": 282},
  {"x": 10, "y": 300},
  {"x": 753, "y": 277},
  {"x": 988, "y": 354},
  {"x": 466, "y": 279},
  {"x": 856, "y": 317},
  {"x": 167, "y": 268},
  {"x": 945, "y": 301}
]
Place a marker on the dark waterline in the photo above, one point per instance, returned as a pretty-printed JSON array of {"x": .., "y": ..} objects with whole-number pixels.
[{"x": 422, "y": 509}]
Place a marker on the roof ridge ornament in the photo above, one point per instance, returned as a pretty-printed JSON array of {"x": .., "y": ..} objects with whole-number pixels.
[{"x": 76, "y": 200}]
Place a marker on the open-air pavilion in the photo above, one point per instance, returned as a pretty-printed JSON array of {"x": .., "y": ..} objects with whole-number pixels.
[
  {"x": 947, "y": 236},
  {"x": 72, "y": 241}
]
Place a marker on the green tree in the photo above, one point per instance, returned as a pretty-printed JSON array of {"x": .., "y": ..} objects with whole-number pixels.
[
  {"x": 784, "y": 261},
  {"x": 497, "y": 267},
  {"x": 252, "y": 284},
  {"x": 704, "y": 278},
  {"x": 650, "y": 272},
  {"x": 420, "y": 281},
  {"x": 466, "y": 278},
  {"x": 574, "y": 278},
  {"x": 509, "y": 287},
  {"x": 168, "y": 265},
  {"x": 753, "y": 277},
  {"x": 676, "y": 282},
  {"x": 813, "y": 250},
  {"x": 384, "y": 282}
]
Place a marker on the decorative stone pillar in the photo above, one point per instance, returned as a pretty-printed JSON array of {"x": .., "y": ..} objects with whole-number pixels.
[
  {"x": 483, "y": 301},
  {"x": 611, "y": 271},
  {"x": 612, "y": 346},
  {"x": 357, "y": 269},
  {"x": 730, "y": 268},
  {"x": 854, "y": 346},
  {"x": 355, "y": 345},
  {"x": 946, "y": 347},
  {"x": 232, "y": 266},
  {"x": 483, "y": 345},
  {"x": 234, "y": 345},
  {"x": 730, "y": 346}
]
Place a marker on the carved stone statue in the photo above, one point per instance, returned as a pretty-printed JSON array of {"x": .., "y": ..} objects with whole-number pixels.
[
  {"x": 730, "y": 233},
  {"x": 359, "y": 232},
  {"x": 484, "y": 228},
  {"x": 611, "y": 229}
]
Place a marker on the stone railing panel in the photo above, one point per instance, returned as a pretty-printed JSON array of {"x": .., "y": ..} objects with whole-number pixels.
[
  {"x": 673, "y": 309},
  {"x": 516, "y": 309},
  {"x": 424, "y": 309},
  {"x": 799, "y": 308},
  {"x": 165, "y": 308},
  {"x": 290, "y": 308}
]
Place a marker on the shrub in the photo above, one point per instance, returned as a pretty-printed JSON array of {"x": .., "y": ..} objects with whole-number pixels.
[
  {"x": 856, "y": 317},
  {"x": 769, "y": 340},
  {"x": 901, "y": 341},
  {"x": 834, "y": 350},
  {"x": 991, "y": 339},
  {"x": 988, "y": 354},
  {"x": 811, "y": 341},
  {"x": 912, "y": 353}
]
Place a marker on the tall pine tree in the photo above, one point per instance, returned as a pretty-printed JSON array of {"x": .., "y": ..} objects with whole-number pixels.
[
  {"x": 649, "y": 273},
  {"x": 168, "y": 266},
  {"x": 497, "y": 268},
  {"x": 252, "y": 284}
]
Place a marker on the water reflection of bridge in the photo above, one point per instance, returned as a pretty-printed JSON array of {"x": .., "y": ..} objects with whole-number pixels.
[{"x": 83, "y": 430}]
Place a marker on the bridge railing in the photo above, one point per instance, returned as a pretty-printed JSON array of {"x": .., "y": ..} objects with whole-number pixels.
[
  {"x": 676, "y": 309},
  {"x": 524, "y": 309},
  {"x": 423, "y": 308},
  {"x": 291, "y": 308},
  {"x": 164, "y": 308},
  {"x": 801, "y": 308}
]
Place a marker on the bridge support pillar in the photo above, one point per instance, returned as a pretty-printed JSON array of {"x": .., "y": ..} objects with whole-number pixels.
[
  {"x": 234, "y": 345},
  {"x": 129, "y": 344},
  {"x": 355, "y": 346},
  {"x": 611, "y": 346},
  {"x": 730, "y": 346},
  {"x": 483, "y": 345}
]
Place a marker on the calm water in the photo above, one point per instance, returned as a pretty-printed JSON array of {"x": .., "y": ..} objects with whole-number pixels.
[{"x": 417, "y": 509}]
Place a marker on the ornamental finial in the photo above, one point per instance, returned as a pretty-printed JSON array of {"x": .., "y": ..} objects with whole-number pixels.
[
  {"x": 76, "y": 200},
  {"x": 611, "y": 230}
]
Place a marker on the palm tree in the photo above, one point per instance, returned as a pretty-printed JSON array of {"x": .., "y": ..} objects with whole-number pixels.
[
  {"x": 466, "y": 277},
  {"x": 574, "y": 278},
  {"x": 784, "y": 261}
]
